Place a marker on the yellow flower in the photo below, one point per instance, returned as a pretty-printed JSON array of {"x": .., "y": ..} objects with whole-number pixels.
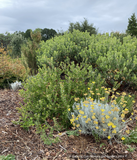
[
  {"x": 102, "y": 110},
  {"x": 123, "y": 120},
  {"x": 76, "y": 99},
  {"x": 109, "y": 124},
  {"x": 96, "y": 89},
  {"x": 109, "y": 112},
  {"x": 102, "y": 118},
  {"x": 86, "y": 102},
  {"x": 94, "y": 114},
  {"x": 59, "y": 134},
  {"x": 73, "y": 116},
  {"x": 98, "y": 94},
  {"x": 77, "y": 125},
  {"x": 122, "y": 115},
  {"x": 114, "y": 131},
  {"x": 103, "y": 121},
  {"x": 92, "y": 93},
  {"x": 77, "y": 106},
  {"x": 136, "y": 118},
  {"x": 124, "y": 105},
  {"x": 117, "y": 93},
  {"x": 102, "y": 99},
  {"x": 79, "y": 116},
  {"x": 99, "y": 104},
  {"x": 93, "y": 117},
  {"x": 123, "y": 138},
  {"x": 107, "y": 92},
  {"x": 112, "y": 105},
  {"x": 93, "y": 82},
  {"x": 95, "y": 122},
  {"x": 107, "y": 117},
  {"x": 116, "y": 109},
  {"x": 91, "y": 111},
  {"x": 88, "y": 119},
  {"x": 133, "y": 101},
  {"x": 123, "y": 93},
  {"x": 109, "y": 137},
  {"x": 69, "y": 109},
  {"x": 127, "y": 131},
  {"x": 104, "y": 130},
  {"x": 92, "y": 105},
  {"x": 84, "y": 116},
  {"x": 88, "y": 88},
  {"x": 85, "y": 94},
  {"x": 97, "y": 128},
  {"x": 113, "y": 126},
  {"x": 81, "y": 112},
  {"x": 80, "y": 131},
  {"x": 72, "y": 120},
  {"x": 103, "y": 114},
  {"x": 129, "y": 95}
]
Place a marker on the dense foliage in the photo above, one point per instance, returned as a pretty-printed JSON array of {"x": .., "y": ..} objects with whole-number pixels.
[{"x": 116, "y": 62}]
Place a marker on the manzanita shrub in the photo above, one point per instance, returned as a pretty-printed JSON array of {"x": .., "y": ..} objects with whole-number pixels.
[
  {"x": 115, "y": 61},
  {"x": 46, "y": 95}
]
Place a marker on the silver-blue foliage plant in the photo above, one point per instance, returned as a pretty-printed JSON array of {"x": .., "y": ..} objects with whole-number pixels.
[{"x": 94, "y": 116}]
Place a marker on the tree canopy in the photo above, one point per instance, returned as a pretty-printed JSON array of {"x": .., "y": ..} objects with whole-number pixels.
[{"x": 84, "y": 26}]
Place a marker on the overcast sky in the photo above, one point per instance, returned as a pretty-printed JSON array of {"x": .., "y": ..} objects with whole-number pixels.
[{"x": 105, "y": 15}]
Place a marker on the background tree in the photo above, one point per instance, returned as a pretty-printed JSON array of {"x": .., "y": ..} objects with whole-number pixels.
[
  {"x": 47, "y": 34},
  {"x": 14, "y": 48},
  {"x": 5, "y": 39},
  {"x": 15, "y": 45},
  {"x": 84, "y": 26},
  {"x": 27, "y": 34},
  {"x": 132, "y": 25}
]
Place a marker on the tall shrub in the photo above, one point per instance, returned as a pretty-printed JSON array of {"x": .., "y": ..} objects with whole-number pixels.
[{"x": 29, "y": 52}]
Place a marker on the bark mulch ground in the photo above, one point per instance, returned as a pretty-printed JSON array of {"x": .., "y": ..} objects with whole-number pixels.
[{"x": 27, "y": 145}]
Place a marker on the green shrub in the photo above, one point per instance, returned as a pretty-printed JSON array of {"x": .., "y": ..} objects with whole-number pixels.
[
  {"x": 120, "y": 63},
  {"x": 48, "y": 96},
  {"x": 116, "y": 62}
]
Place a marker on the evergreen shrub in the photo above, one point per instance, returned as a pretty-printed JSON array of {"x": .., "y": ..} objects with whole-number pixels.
[
  {"x": 115, "y": 61},
  {"x": 46, "y": 95}
]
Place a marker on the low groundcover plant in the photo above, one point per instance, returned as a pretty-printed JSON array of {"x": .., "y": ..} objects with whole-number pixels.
[{"x": 106, "y": 120}]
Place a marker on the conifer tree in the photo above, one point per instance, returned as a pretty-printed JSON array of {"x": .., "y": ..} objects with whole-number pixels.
[
  {"x": 132, "y": 25},
  {"x": 29, "y": 52}
]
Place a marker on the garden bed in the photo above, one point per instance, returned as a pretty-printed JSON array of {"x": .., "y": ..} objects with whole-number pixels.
[{"x": 28, "y": 145}]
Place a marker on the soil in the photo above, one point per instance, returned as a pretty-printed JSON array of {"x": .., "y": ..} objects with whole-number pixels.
[{"x": 27, "y": 145}]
